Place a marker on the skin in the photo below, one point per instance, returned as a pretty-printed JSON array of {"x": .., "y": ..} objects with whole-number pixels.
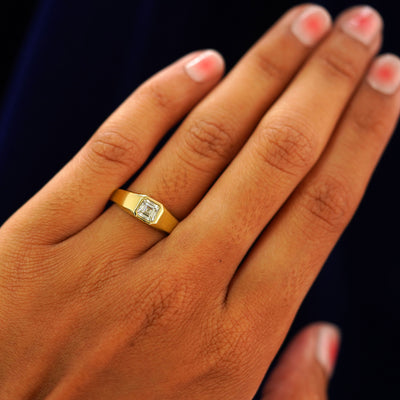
[{"x": 97, "y": 305}]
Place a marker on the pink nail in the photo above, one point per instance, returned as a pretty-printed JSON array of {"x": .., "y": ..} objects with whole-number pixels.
[
  {"x": 363, "y": 24},
  {"x": 384, "y": 75},
  {"x": 327, "y": 349},
  {"x": 205, "y": 66},
  {"x": 311, "y": 25}
]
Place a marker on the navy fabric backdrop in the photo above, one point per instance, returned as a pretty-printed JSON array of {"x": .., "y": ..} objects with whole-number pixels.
[{"x": 68, "y": 64}]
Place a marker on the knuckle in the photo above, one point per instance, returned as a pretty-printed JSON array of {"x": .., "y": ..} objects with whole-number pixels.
[
  {"x": 268, "y": 65},
  {"x": 329, "y": 202},
  {"x": 163, "y": 303},
  {"x": 95, "y": 280},
  {"x": 209, "y": 140},
  {"x": 161, "y": 308},
  {"x": 339, "y": 63},
  {"x": 369, "y": 123},
  {"x": 155, "y": 92},
  {"x": 286, "y": 146},
  {"x": 227, "y": 347},
  {"x": 112, "y": 149},
  {"x": 30, "y": 233},
  {"x": 27, "y": 266}
]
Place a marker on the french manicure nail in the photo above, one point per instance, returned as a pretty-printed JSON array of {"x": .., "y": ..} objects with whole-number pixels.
[
  {"x": 311, "y": 25},
  {"x": 384, "y": 75},
  {"x": 205, "y": 66},
  {"x": 363, "y": 24},
  {"x": 327, "y": 349}
]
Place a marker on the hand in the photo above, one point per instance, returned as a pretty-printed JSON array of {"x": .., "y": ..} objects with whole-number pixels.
[
  {"x": 306, "y": 365},
  {"x": 264, "y": 174}
]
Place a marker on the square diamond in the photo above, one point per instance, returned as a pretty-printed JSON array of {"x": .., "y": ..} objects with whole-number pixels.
[{"x": 147, "y": 210}]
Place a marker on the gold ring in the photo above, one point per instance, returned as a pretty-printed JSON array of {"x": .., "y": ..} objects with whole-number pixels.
[{"x": 146, "y": 209}]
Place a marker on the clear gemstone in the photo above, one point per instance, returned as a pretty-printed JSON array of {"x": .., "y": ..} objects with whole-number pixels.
[{"x": 147, "y": 210}]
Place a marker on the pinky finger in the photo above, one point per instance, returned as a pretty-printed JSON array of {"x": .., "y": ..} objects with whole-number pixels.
[
  {"x": 289, "y": 254},
  {"x": 80, "y": 191}
]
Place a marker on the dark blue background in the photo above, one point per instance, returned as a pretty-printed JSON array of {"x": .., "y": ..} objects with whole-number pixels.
[{"x": 67, "y": 64}]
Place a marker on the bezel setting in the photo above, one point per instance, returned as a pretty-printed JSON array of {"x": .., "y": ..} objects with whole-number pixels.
[{"x": 148, "y": 210}]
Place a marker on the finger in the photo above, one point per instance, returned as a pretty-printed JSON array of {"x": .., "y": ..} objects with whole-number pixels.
[
  {"x": 78, "y": 194},
  {"x": 304, "y": 369},
  {"x": 212, "y": 134},
  {"x": 284, "y": 147},
  {"x": 290, "y": 253}
]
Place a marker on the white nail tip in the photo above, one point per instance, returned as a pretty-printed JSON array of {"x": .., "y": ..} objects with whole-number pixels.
[
  {"x": 384, "y": 75},
  {"x": 205, "y": 66},
  {"x": 327, "y": 347},
  {"x": 308, "y": 30},
  {"x": 363, "y": 25}
]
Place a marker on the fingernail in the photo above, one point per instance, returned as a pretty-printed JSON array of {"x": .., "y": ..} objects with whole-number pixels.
[
  {"x": 205, "y": 66},
  {"x": 363, "y": 24},
  {"x": 311, "y": 25},
  {"x": 327, "y": 349},
  {"x": 384, "y": 75}
]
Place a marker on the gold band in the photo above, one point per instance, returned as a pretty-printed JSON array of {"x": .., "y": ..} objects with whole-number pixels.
[{"x": 145, "y": 209}]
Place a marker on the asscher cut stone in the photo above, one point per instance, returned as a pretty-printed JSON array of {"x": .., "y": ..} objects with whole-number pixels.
[{"x": 147, "y": 210}]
